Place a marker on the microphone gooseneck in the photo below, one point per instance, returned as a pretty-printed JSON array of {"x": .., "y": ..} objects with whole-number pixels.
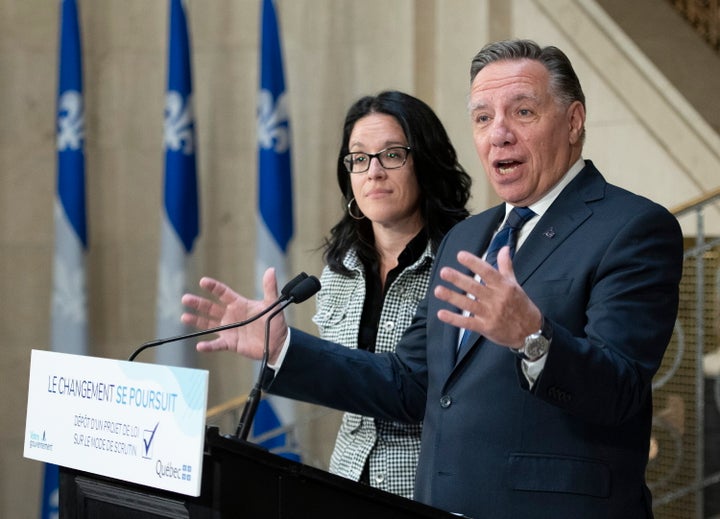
[{"x": 285, "y": 294}]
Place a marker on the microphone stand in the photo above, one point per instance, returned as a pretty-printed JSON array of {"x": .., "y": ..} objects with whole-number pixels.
[
  {"x": 299, "y": 293},
  {"x": 255, "y": 395}
]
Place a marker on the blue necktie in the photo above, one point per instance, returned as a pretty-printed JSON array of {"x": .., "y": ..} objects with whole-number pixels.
[{"x": 507, "y": 235}]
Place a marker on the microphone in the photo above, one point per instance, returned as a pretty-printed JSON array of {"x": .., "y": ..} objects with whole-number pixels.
[
  {"x": 286, "y": 291},
  {"x": 285, "y": 294},
  {"x": 305, "y": 289}
]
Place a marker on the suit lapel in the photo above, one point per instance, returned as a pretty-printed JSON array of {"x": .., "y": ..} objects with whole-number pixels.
[
  {"x": 477, "y": 243},
  {"x": 559, "y": 222}
]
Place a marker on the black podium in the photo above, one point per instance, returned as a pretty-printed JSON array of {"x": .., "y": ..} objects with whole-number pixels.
[{"x": 240, "y": 480}]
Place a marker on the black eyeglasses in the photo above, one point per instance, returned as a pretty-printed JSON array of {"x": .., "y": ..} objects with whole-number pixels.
[{"x": 390, "y": 158}]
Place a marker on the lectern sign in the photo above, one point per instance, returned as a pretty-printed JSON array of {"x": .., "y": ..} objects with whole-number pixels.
[{"x": 142, "y": 423}]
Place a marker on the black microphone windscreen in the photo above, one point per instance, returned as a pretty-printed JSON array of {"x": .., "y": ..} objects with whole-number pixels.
[
  {"x": 305, "y": 289},
  {"x": 287, "y": 289}
]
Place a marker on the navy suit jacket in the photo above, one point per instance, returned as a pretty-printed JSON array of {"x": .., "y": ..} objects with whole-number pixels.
[{"x": 603, "y": 265}]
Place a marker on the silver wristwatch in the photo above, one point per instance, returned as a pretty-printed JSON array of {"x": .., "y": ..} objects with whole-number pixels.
[{"x": 537, "y": 344}]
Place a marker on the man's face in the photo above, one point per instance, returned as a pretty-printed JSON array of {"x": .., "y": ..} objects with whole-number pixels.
[{"x": 525, "y": 138}]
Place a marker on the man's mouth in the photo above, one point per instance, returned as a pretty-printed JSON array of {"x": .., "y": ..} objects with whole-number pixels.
[{"x": 506, "y": 166}]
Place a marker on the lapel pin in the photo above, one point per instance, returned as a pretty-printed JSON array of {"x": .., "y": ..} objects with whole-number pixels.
[{"x": 550, "y": 233}]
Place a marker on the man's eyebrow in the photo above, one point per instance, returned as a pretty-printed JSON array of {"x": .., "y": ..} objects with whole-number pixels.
[
  {"x": 515, "y": 99},
  {"x": 525, "y": 96}
]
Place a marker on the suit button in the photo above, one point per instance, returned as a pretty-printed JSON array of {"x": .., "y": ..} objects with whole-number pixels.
[{"x": 445, "y": 401}]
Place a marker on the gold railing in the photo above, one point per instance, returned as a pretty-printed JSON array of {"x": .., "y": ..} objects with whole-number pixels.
[
  {"x": 704, "y": 16},
  {"x": 697, "y": 204},
  {"x": 226, "y": 415}
]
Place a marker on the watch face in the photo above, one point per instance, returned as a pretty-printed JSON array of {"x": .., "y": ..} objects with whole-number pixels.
[{"x": 535, "y": 346}]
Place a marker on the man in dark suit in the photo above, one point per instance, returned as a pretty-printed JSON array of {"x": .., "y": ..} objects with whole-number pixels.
[{"x": 543, "y": 408}]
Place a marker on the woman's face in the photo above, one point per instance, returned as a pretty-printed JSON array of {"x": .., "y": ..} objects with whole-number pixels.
[{"x": 389, "y": 198}]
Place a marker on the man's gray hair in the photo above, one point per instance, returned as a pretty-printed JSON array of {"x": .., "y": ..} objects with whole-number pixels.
[{"x": 564, "y": 83}]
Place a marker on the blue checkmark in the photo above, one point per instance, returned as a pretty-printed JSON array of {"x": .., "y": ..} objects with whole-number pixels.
[{"x": 147, "y": 442}]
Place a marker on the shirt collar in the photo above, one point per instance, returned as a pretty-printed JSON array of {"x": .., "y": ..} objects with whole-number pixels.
[
  {"x": 546, "y": 201},
  {"x": 415, "y": 252},
  {"x": 414, "y": 249}
]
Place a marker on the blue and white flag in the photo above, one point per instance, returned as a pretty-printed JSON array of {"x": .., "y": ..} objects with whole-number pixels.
[
  {"x": 180, "y": 217},
  {"x": 69, "y": 322},
  {"x": 275, "y": 208}
]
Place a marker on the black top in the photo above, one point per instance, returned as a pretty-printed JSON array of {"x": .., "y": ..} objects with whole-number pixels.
[{"x": 374, "y": 293}]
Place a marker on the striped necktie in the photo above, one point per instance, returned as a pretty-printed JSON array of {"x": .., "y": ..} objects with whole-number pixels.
[{"x": 507, "y": 235}]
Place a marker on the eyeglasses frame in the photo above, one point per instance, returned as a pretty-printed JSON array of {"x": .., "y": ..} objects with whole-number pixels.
[{"x": 377, "y": 155}]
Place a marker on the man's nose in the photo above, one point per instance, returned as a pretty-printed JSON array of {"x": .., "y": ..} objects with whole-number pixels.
[{"x": 501, "y": 133}]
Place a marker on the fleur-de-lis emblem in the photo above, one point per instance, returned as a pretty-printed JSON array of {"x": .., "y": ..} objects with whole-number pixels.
[
  {"x": 71, "y": 121},
  {"x": 178, "y": 128},
  {"x": 272, "y": 122}
]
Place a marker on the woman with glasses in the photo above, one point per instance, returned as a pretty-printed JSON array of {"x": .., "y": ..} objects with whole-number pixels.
[{"x": 403, "y": 189}]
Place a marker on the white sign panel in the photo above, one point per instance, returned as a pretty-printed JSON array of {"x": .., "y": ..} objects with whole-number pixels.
[{"x": 137, "y": 422}]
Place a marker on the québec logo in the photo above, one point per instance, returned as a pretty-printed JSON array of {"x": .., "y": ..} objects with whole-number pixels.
[{"x": 165, "y": 470}]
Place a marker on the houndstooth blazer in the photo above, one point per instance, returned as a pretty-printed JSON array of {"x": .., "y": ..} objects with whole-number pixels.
[{"x": 392, "y": 448}]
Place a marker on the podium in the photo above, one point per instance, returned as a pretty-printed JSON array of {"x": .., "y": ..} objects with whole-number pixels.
[{"x": 239, "y": 480}]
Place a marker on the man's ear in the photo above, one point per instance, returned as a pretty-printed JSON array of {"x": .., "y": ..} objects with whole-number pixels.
[{"x": 576, "y": 121}]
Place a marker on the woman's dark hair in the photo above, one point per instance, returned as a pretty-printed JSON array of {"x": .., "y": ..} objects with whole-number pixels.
[{"x": 444, "y": 184}]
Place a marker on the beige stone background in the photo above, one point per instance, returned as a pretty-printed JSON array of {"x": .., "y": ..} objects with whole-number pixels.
[{"x": 641, "y": 133}]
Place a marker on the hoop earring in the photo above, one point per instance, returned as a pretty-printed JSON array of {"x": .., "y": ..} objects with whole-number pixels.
[{"x": 350, "y": 212}]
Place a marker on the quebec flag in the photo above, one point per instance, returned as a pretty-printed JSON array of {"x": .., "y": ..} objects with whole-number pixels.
[
  {"x": 275, "y": 416},
  {"x": 69, "y": 322},
  {"x": 180, "y": 217}
]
